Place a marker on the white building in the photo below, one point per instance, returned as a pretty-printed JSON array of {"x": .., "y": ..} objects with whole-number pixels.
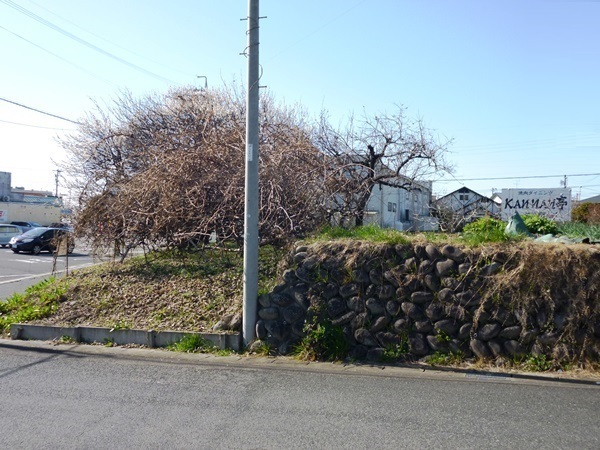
[{"x": 401, "y": 209}]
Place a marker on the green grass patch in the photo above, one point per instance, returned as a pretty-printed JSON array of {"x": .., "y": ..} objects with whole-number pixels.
[
  {"x": 369, "y": 233},
  {"x": 38, "y": 301},
  {"x": 194, "y": 343}
]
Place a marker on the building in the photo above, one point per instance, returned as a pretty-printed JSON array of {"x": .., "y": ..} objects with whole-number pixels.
[
  {"x": 19, "y": 204},
  {"x": 595, "y": 199},
  {"x": 402, "y": 209},
  {"x": 464, "y": 206}
]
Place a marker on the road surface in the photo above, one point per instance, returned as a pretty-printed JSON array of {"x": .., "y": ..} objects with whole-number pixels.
[
  {"x": 77, "y": 397},
  {"x": 20, "y": 270}
]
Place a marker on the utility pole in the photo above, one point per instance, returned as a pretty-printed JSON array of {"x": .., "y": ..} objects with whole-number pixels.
[
  {"x": 251, "y": 192},
  {"x": 56, "y": 181}
]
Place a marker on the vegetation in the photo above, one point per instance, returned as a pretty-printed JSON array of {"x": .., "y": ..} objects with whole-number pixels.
[
  {"x": 580, "y": 230},
  {"x": 168, "y": 171},
  {"x": 537, "y": 224},
  {"x": 386, "y": 150},
  {"x": 394, "y": 353},
  {"x": 194, "y": 343},
  {"x": 445, "y": 359},
  {"x": 169, "y": 290},
  {"x": 486, "y": 229},
  {"x": 39, "y": 301},
  {"x": 323, "y": 342},
  {"x": 369, "y": 233},
  {"x": 586, "y": 213},
  {"x": 191, "y": 290}
]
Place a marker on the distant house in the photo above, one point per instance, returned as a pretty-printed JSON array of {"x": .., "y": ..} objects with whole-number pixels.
[
  {"x": 402, "y": 209},
  {"x": 595, "y": 199},
  {"x": 463, "y": 206}
]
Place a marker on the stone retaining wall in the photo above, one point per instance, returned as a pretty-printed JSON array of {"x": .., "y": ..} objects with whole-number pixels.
[{"x": 421, "y": 299}]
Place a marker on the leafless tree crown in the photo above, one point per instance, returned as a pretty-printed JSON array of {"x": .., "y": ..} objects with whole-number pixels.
[{"x": 169, "y": 170}]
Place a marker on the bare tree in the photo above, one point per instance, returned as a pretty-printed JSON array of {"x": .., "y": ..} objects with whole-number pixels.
[
  {"x": 169, "y": 170},
  {"x": 388, "y": 149}
]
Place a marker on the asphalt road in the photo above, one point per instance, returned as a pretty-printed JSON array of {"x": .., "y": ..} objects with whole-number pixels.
[
  {"x": 20, "y": 270},
  {"x": 77, "y": 397}
]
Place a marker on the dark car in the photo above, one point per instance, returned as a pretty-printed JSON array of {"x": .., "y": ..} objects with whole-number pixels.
[
  {"x": 42, "y": 238},
  {"x": 26, "y": 226}
]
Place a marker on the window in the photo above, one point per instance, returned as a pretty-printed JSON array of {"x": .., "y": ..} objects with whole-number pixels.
[
  {"x": 391, "y": 207},
  {"x": 463, "y": 196}
]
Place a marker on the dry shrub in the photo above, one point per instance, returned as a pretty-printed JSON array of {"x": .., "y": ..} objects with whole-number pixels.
[
  {"x": 169, "y": 171},
  {"x": 553, "y": 288}
]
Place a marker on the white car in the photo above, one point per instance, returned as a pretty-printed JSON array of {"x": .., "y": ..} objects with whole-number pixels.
[{"x": 7, "y": 232}]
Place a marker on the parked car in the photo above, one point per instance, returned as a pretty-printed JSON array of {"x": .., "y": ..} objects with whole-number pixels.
[
  {"x": 7, "y": 232},
  {"x": 42, "y": 238},
  {"x": 26, "y": 226}
]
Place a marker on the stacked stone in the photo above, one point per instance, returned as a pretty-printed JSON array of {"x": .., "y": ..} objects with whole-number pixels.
[{"x": 421, "y": 297}]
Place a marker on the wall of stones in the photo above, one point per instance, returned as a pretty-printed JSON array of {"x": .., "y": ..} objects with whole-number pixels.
[{"x": 423, "y": 299}]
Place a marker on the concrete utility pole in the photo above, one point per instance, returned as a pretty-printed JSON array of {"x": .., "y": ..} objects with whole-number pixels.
[
  {"x": 56, "y": 180},
  {"x": 251, "y": 193}
]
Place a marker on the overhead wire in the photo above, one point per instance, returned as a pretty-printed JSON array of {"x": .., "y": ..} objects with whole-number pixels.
[
  {"x": 109, "y": 41},
  {"x": 517, "y": 178},
  {"x": 58, "y": 56},
  {"x": 39, "y": 111},
  {"x": 315, "y": 31},
  {"x": 84, "y": 42},
  {"x": 33, "y": 126}
]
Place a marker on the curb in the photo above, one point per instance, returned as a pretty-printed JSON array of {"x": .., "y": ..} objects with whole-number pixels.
[{"x": 151, "y": 339}]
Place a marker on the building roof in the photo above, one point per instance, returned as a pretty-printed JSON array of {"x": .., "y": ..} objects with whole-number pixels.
[
  {"x": 595, "y": 199},
  {"x": 464, "y": 190}
]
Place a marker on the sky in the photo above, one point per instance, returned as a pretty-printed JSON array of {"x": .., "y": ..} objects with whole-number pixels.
[{"x": 515, "y": 85}]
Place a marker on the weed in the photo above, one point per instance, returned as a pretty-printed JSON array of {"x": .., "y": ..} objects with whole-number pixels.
[
  {"x": 442, "y": 337},
  {"x": 66, "y": 340},
  {"x": 580, "y": 230},
  {"x": 262, "y": 349},
  {"x": 445, "y": 359},
  {"x": 194, "y": 343},
  {"x": 323, "y": 341},
  {"x": 537, "y": 224},
  {"x": 38, "y": 301},
  {"x": 120, "y": 325},
  {"x": 397, "y": 351},
  {"x": 536, "y": 363},
  {"x": 484, "y": 230}
]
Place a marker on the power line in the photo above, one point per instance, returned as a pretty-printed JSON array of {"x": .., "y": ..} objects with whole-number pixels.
[
  {"x": 57, "y": 56},
  {"x": 83, "y": 41},
  {"x": 33, "y": 126},
  {"x": 317, "y": 30},
  {"x": 39, "y": 111},
  {"x": 109, "y": 41},
  {"x": 517, "y": 178},
  {"x": 499, "y": 146}
]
